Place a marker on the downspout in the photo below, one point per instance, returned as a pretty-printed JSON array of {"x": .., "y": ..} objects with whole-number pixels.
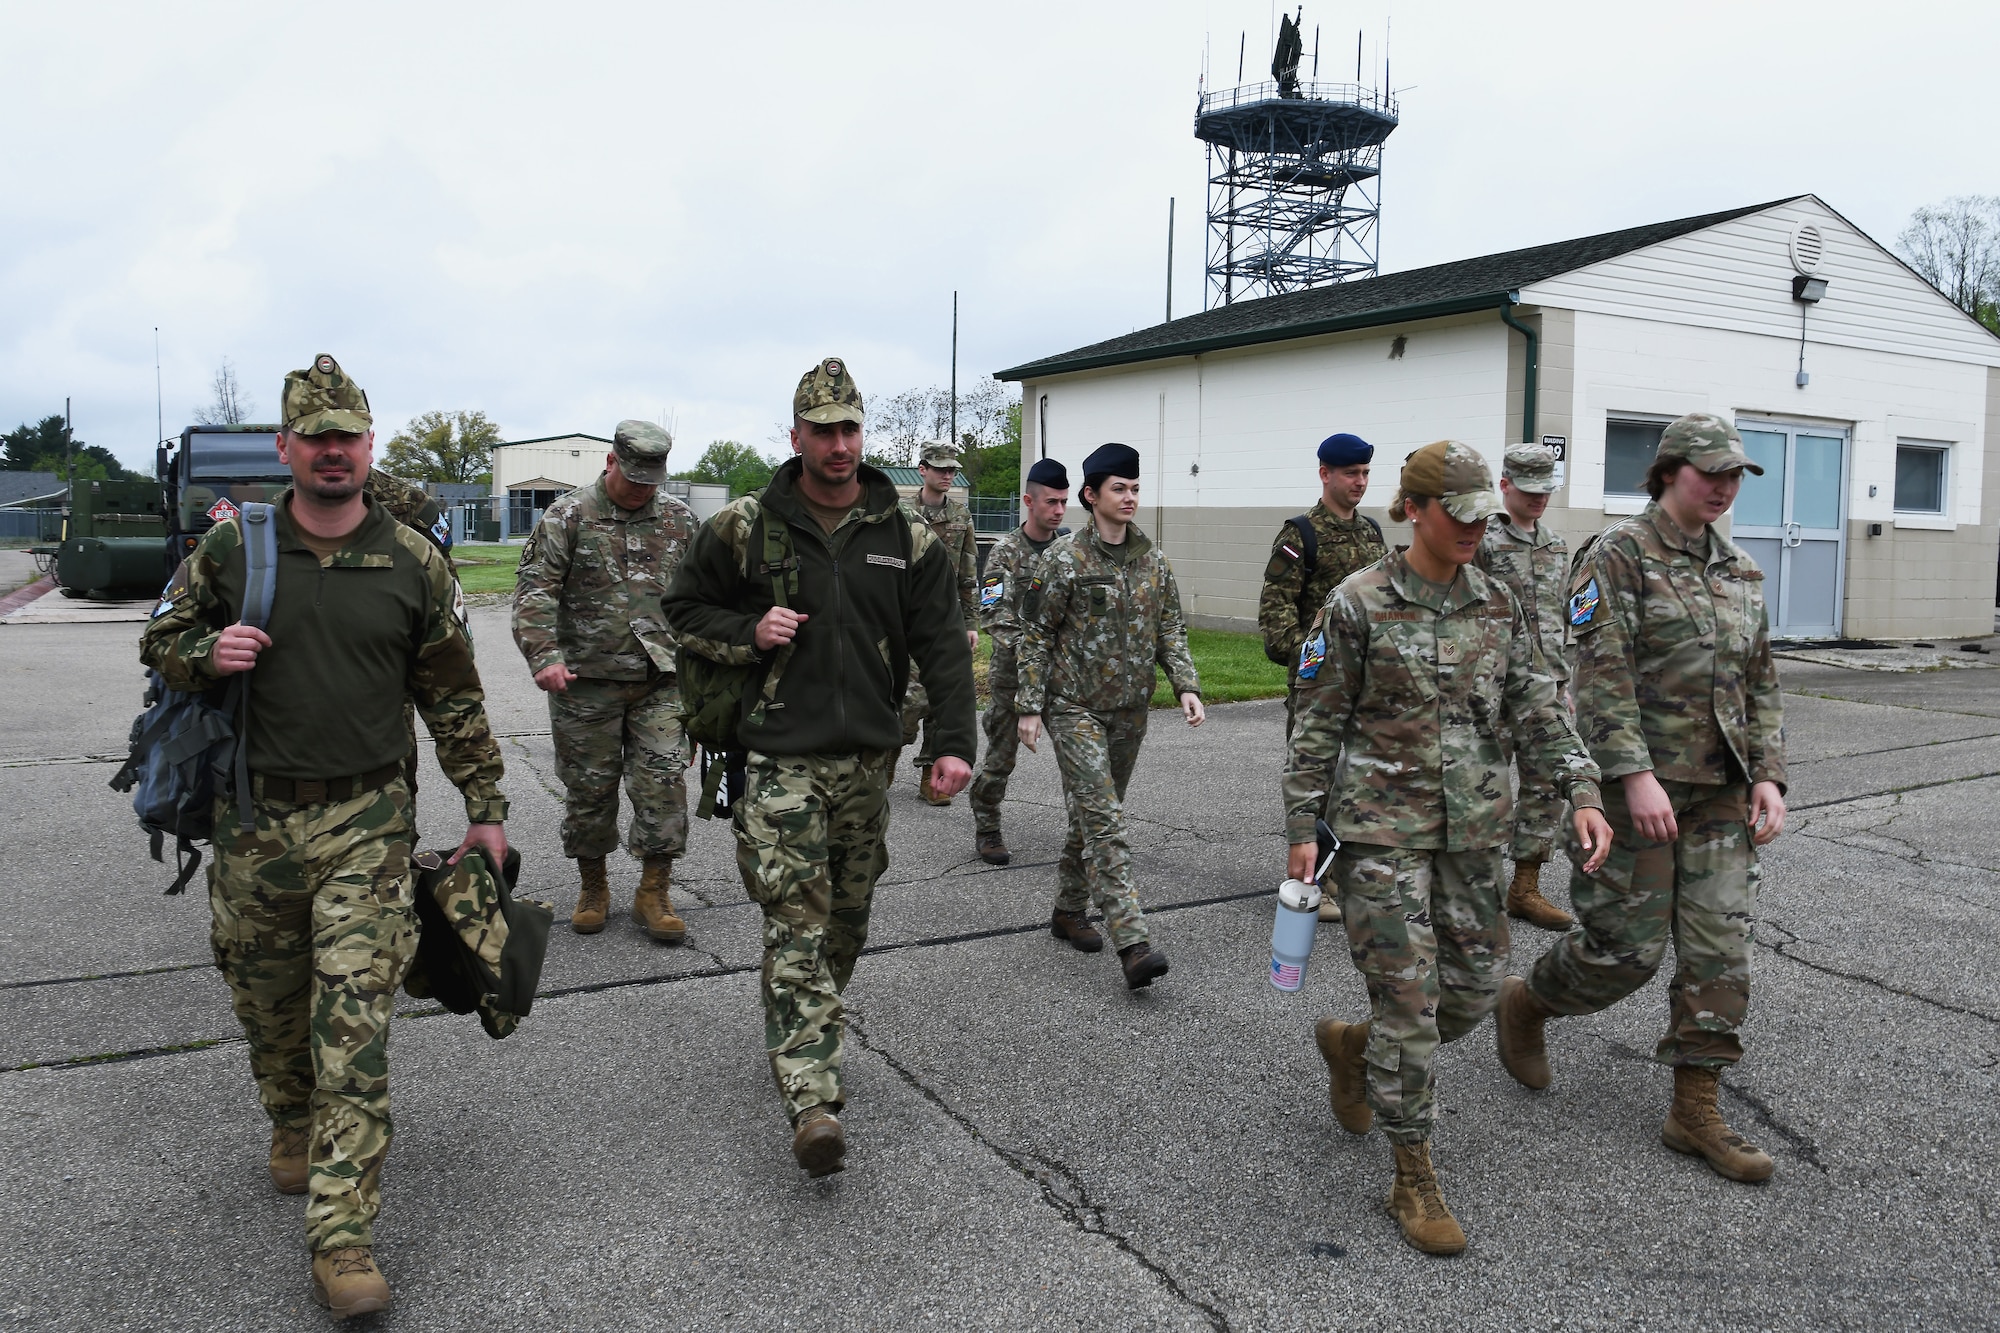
[{"x": 1534, "y": 356}]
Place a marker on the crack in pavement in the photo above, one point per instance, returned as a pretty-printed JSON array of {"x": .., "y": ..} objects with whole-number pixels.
[
  {"x": 1782, "y": 949},
  {"x": 1061, "y": 1188},
  {"x": 1842, "y": 838},
  {"x": 1802, "y": 1143}
]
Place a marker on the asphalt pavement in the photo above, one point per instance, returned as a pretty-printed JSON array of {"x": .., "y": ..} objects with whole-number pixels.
[{"x": 1031, "y": 1146}]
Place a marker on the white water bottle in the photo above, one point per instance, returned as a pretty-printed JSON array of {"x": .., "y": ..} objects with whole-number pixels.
[{"x": 1292, "y": 933}]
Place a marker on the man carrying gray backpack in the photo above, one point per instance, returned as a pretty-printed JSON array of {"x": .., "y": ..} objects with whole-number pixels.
[{"x": 314, "y": 923}]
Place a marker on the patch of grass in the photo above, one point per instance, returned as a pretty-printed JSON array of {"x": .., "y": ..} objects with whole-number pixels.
[
  {"x": 1232, "y": 666},
  {"x": 486, "y": 568}
]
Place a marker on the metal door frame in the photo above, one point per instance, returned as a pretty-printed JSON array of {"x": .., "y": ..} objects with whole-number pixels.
[{"x": 1792, "y": 428}]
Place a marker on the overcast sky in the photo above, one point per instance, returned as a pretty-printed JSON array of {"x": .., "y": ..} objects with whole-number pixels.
[{"x": 564, "y": 215}]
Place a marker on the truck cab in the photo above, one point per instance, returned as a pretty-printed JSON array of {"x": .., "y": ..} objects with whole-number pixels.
[{"x": 210, "y": 476}]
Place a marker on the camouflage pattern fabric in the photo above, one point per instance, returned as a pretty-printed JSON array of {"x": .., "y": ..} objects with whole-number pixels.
[
  {"x": 313, "y": 928},
  {"x": 1700, "y": 889},
  {"x": 1103, "y": 616},
  {"x": 1345, "y": 545},
  {"x": 412, "y": 506},
  {"x": 335, "y": 643},
  {"x": 1535, "y": 568},
  {"x": 322, "y": 397},
  {"x": 1096, "y": 753},
  {"x": 608, "y": 729},
  {"x": 1010, "y": 568},
  {"x": 810, "y": 842},
  {"x": 1427, "y": 689},
  {"x": 588, "y": 594},
  {"x": 1428, "y": 936},
  {"x": 952, "y": 522},
  {"x": 1673, "y": 657}
]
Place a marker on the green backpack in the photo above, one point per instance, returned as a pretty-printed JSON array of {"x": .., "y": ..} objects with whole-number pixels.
[{"x": 713, "y": 694}]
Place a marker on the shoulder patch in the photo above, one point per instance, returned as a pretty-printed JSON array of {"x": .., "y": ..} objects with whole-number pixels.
[
  {"x": 1312, "y": 653},
  {"x": 1583, "y": 604},
  {"x": 441, "y": 532},
  {"x": 991, "y": 591}
]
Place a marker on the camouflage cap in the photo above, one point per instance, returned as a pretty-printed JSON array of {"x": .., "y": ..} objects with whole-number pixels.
[
  {"x": 642, "y": 450},
  {"x": 1455, "y": 475},
  {"x": 1530, "y": 467},
  {"x": 826, "y": 393},
  {"x": 938, "y": 454},
  {"x": 321, "y": 398},
  {"x": 1708, "y": 442}
]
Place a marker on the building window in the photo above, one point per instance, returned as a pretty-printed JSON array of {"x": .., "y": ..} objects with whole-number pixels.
[
  {"x": 1629, "y": 446},
  {"x": 1922, "y": 471}
]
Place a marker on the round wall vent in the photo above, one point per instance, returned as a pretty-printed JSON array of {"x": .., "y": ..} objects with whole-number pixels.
[{"x": 1808, "y": 247}]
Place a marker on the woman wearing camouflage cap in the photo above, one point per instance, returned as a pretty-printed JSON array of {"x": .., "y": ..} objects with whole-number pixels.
[
  {"x": 1422, "y": 668},
  {"x": 1677, "y": 697}
]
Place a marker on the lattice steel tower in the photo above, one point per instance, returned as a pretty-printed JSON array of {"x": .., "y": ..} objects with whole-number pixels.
[{"x": 1294, "y": 180}]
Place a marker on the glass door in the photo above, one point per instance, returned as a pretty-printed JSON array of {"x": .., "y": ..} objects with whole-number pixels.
[{"x": 1792, "y": 522}]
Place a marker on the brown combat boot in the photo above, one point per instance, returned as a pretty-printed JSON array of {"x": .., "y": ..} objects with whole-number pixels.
[
  {"x": 593, "y": 903},
  {"x": 928, "y": 792},
  {"x": 1518, "y": 1025},
  {"x": 1142, "y": 964},
  {"x": 818, "y": 1143},
  {"x": 347, "y": 1282},
  {"x": 1341, "y": 1046},
  {"x": 1076, "y": 928},
  {"x": 991, "y": 849},
  {"x": 1418, "y": 1205},
  {"x": 651, "y": 905},
  {"x": 288, "y": 1157},
  {"x": 1694, "y": 1126},
  {"x": 1526, "y": 903},
  {"x": 1329, "y": 907}
]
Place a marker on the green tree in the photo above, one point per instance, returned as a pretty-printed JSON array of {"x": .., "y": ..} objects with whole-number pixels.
[
  {"x": 444, "y": 446},
  {"x": 42, "y": 448},
  {"x": 729, "y": 463}
]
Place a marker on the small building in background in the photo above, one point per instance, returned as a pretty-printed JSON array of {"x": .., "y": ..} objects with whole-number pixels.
[
  {"x": 531, "y": 475},
  {"x": 1872, "y": 402}
]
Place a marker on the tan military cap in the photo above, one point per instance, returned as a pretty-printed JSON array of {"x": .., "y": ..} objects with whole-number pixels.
[
  {"x": 827, "y": 393},
  {"x": 1530, "y": 467},
  {"x": 642, "y": 450},
  {"x": 1452, "y": 473},
  {"x": 938, "y": 454},
  {"x": 1708, "y": 442},
  {"x": 321, "y": 398}
]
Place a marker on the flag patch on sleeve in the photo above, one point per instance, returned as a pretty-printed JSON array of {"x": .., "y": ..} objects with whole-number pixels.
[
  {"x": 991, "y": 592},
  {"x": 1583, "y": 604}
]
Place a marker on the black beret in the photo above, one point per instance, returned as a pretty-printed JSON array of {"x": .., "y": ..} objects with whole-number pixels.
[
  {"x": 1345, "y": 450},
  {"x": 1048, "y": 472},
  {"x": 1111, "y": 460}
]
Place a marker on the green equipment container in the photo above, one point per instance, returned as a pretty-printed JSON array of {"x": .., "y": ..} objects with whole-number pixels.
[{"x": 110, "y": 567}]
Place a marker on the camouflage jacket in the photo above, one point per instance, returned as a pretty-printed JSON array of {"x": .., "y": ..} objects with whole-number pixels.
[
  {"x": 1096, "y": 620},
  {"x": 952, "y": 523},
  {"x": 1345, "y": 545},
  {"x": 1673, "y": 657},
  {"x": 412, "y": 506},
  {"x": 879, "y": 594},
  {"x": 588, "y": 595},
  {"x": 1535, "y": 568},
  {"x": 1009, "y": 567},
  {"x": 1424, "y": 691},
  {"x": 349, "y": 643}
]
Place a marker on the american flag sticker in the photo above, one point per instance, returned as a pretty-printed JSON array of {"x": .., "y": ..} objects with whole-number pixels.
[{"x": 1287, "y": 976}]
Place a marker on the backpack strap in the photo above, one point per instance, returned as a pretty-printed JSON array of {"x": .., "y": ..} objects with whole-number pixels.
[
  {"x": 1308, "y": 565},
  {"x": 260, "y": 585},
  {"x": 1378, "y": 529},
  {"x": 781, "y": 564}
]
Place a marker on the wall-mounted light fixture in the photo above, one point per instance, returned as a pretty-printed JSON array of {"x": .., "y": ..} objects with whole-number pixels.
[{"x": 1807, "y": 288}]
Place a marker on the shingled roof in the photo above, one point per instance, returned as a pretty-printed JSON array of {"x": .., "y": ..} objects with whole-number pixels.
[{"x": 1393, "y": 298}]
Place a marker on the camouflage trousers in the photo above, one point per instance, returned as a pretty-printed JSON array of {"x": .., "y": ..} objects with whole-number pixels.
[
  {"x": 313, "y": 927},
  {"x": 1003, "y": 747},
  {"x": 811, "y": 840},
  {"x": 608, "y": 729},
  {"x": 1096, "y": 753},
  {"x": 916, "y": 708},
  {"x": 1700, "y": 890},
  {"x": 1539, "y": 816},
  {"x": 1427, "y": 934}
]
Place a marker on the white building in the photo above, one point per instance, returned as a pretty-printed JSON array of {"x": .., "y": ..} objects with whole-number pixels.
[
  {"x": 529, "y": 476},
  {"x": 1872, "y": 401}
]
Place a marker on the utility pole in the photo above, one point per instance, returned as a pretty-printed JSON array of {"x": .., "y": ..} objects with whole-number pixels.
[
  {"x": 69, "y": 448},
  {"x": 1170, "y": 259},
  {"x": 159, "y": 396},
  {"x": 954, "y": 370}
]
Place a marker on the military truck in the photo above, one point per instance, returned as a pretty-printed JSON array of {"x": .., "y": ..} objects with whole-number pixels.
[{"x": 210, "y": 476}]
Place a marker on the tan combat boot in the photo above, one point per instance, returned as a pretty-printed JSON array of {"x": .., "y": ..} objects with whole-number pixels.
[
  {"x": 288, "y": 1157},
  {"x": 1696, "y": 1127},
  {"x": 1329, "y": 907},
  {"x": 652, "y": 908},
  {"x": 593, "y": 903},
  {"x": 1517, "y": 1022},
  {"x": 347, "y": 1282},
  {"x": 1526, "y": 903},
  {"x": 1341, "y": 1046},
  {"x": 819, "y": 1144},
  {"x": 928, "y": 792},
  {"x": 1417, "y": 1204}
]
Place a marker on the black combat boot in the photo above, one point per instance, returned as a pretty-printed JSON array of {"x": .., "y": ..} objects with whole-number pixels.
[{"x": 1142, "y": 963}]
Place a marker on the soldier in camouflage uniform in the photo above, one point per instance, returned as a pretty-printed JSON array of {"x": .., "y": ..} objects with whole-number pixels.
[
  {"x": 1101, "y": 610},
  {"x": 1010, "y": 568},
  {"x": 1423, "y": 671},
  {"x": 314, "y": 922},
  {"x": 1678, "y": 699},
  {"x": 412, "y": 506},
  {"x": 870, "y": 593},
  {"x": 1533, "y": 561},
  {"x": 587, "y": 617},
  {"x": 952, "y": 522}
]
